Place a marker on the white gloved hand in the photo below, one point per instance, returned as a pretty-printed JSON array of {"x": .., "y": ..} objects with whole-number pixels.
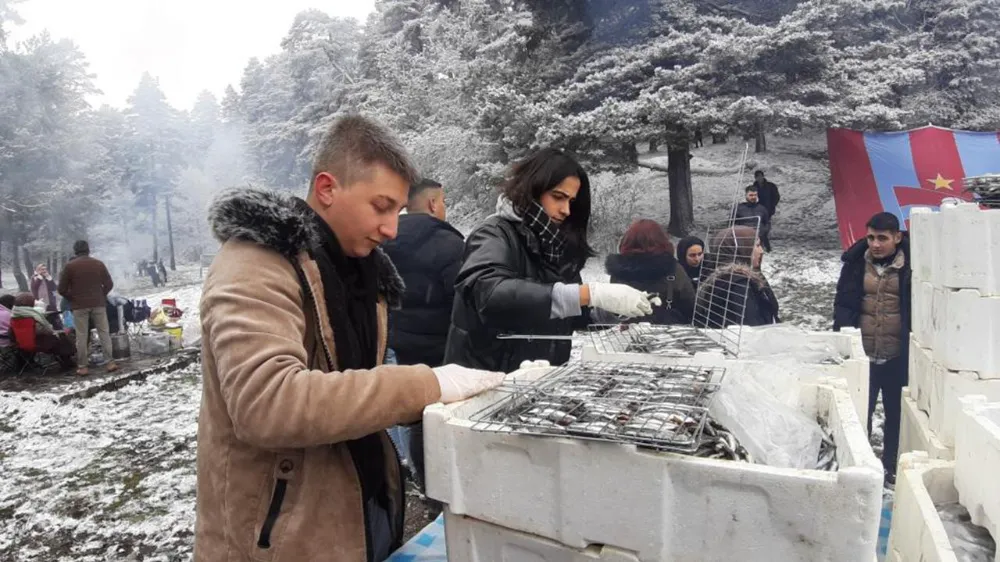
[
  {"x": 620, "y": 299},
  {"x": 458, "y": 383}
]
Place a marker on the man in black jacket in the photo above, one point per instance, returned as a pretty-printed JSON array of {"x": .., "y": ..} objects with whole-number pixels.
[
  {"x": 769, "y": 196},
  {"x": 748, "y": 213},
  {"x": 873, "y": 294},
  {"x": 427, "y": 253}
]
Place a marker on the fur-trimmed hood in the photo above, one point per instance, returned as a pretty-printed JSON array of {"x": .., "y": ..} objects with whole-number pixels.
[
  {"x": 286, "y": 225},
  {"x": 731, "y": 273},
  {"x": 640, "y": 266}
]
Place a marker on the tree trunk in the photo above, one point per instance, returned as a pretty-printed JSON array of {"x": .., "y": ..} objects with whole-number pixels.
[
  {"x": 54, "y": 268},
  {"x": 170, "y": 234},
  {"x": 681, "y": 199},
  {"x": 156, "y": 234},
  {"x": 654, "y": 145},
  {"x": 22, "y": 281},
  {"x": 761, "y": 139},
  {"x": 1, "y": 259},
  {"x": 29, "y": 264}
]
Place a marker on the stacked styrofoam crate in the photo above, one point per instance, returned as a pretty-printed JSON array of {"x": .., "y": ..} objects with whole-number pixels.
[
  {"x": 521, "y": 497},
  {"x": 977, "y": 462},
  {"x": 955, "y": 344},
  {"x": 917, "y": 532},
  {"x": 847, "y": 344}
]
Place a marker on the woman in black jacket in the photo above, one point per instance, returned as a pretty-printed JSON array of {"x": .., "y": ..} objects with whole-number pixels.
[
  {"x": 735, "y": 293},
  {"x": 646, "y": 262},
  {"x": 690, "y": 252},
  {"x": 521, "y": 271}
]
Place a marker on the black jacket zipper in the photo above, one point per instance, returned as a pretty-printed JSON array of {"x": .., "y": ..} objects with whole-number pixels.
[{"x": 273, "y": 510}]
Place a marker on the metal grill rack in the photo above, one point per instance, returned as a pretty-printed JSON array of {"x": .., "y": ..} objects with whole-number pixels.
[
  {"x": 656, "y": 406},
  {"x": 721, "y": 300},
  {"x": 664, "y": 341}
]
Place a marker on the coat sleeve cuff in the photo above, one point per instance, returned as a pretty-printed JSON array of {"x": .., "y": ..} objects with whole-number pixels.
[{"x": 565, "y": 301}]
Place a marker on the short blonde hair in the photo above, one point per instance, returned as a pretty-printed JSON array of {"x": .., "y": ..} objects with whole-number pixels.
[{"x": 355, "y": 143}]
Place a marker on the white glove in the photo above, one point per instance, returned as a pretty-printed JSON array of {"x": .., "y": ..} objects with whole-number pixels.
[
  {"x": 620, "y": 299},
  {"x": 458, "y": 383}
]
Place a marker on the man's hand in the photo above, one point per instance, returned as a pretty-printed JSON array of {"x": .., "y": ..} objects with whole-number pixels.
[{"x": 459, "y": 383}]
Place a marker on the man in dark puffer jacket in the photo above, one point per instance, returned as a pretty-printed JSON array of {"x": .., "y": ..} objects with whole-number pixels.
[
  {"x": 873, "y": 294},
  {"x": 427, "y": 253}
]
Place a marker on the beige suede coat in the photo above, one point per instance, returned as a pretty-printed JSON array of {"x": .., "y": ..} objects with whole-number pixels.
[{"x": 275, "y": 480}]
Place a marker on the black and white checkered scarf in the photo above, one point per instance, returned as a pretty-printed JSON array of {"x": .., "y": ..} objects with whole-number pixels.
[{"x": 550, "y": 237}]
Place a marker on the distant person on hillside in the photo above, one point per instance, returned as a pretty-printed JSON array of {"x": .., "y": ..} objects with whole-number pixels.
[
  {"x": 873, "y": 294},
  {"x": 748, "y": 213},
  {"x": 44, "y": 289},
  {"x": 162, "y": 270},
  {"x": 699, "y": 140},
  {"x": 767, "y": 192},
  {"x": 85, "y": 282},
  {"x": 736, "y": 291},
  {"x": 690, "y": 253},
  {"x": 646, "y": 262}
]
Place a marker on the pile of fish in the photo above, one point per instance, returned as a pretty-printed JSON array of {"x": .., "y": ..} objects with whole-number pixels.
[
  {"x": 655, "y": 406},
  {"x": 970, "y": 542},
  {"x": 827, "y": 453},
  {"x": 718, "y": 443},
  {"x": 987, "y": 187},
  {"x": 678, "y": 341}
]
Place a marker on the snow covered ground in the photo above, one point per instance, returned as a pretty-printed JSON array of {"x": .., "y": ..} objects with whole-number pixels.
[{"x": 112, "y": 477}]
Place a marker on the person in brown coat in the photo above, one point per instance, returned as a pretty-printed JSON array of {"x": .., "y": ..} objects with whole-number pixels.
[
  {"x": 85, "y": 283},
  {"x": 294, "y": 463},
  {"x": 735, "y": 293}
]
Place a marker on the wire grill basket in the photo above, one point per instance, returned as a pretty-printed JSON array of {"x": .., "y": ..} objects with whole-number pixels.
[
  {"x": 656, "y": 406},
  {"x": 660, "y": 340}
]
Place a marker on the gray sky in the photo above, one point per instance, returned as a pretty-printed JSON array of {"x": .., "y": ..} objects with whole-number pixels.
[{"x": 190, "y": 45}]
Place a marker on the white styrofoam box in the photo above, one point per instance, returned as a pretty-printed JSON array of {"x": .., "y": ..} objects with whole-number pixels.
[
  {"x": 847, "y": 343},
  {"x": 660, "y": 506},
  {"x": 917, "y": 534},
  {"x": 967, "y": 333},
  {"x": 977, "y": 462},
  {"x": 947, "y": 388},
  {"x": 921, "y": 371},
  {"x": 471, "y": 540},
  {"x": 924, "y": 240},
  {"x": 922, "y": 307},
  {"x": 915, "y": 432},
  {"x": 974, "y": 263}
]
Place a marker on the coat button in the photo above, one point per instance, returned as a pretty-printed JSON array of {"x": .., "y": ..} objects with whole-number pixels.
[{"x": 285, "y": 466}]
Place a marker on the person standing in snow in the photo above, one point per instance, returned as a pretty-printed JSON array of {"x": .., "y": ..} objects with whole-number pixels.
[
  {"x": 646, "y": 262},
  {"x": 754, "y": 214},
  {"x": 768, "y": 193},
  {"x": 873, "y": 294},
  {"x": 736, "y": 292},
  {"x": 86, "y": 282},
  {"x": 294, "y": 462},
  {"x": 521, "y": 272},
  {"x": 690, "y": 253},
  {"x": 427, "y": 253},
  {"x": 44, "y": 289}
]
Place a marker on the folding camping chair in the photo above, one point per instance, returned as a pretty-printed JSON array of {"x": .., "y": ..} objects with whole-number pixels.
[{"x": 22, "y": 331}]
